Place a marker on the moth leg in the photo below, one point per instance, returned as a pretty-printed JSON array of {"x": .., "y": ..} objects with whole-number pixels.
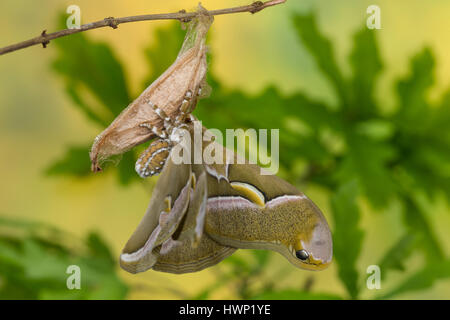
[
  {"x": 185, "y": 108},
  {"x": 155, "y": 130},
  {"x": 168, "y": 123},
  {"x": 160, "y": 112}
]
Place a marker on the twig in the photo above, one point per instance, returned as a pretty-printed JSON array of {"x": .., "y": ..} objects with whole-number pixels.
[{"x": 112, "y": 22}]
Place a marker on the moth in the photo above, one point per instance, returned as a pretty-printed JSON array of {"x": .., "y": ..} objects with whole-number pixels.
[
  {"x": 200, "y": 214},
  {"x": 163, "y": 108}
]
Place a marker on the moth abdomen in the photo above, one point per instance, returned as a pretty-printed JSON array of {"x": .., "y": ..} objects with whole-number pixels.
[{"x": 152, "y": 160}]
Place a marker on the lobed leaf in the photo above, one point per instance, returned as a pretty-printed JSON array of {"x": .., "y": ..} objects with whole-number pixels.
[
  {"x": 75, "y": 162},
  {"x": 322, "y": 51},
  {"x": 85, "y": 63},
  {"x": 347, "y": 235},
  {"x": 423, "y": 279},
  {"x": 162, "y": 53},
  {"x": 366, "y": 65}
]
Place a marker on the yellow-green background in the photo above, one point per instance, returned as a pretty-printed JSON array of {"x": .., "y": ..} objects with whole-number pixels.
[{"x": 37, "y": 121}]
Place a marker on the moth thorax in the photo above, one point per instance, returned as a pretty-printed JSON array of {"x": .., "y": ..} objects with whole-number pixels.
[
  {"x": 177, "y": 134},
  {"x": 152, "y": 160}
]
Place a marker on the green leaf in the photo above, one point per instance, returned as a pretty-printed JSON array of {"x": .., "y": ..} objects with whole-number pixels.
[
  {"x": 166, "y": 43},
  {"x": 76, "y": 162},
  {"x": 99, "y": 248},
  {"x": 290, "y": 294},
  {"x": 270, "y": 109},
  {"x": 437, "y": 127},
  {"x": 83, "y": 106},
  {"x": 347, "y": 235},
  {"x": 413, "y": 91},
  {"x": 126, "y": 169},
  {"x": 367, "y": 161},
  {"x": 38, "y": 265},
  {"x": 415, "y": 219},
  {"x": 239, "y": 264},
  {"x": 366, "y": 65},
  {"x": 225, "y": 107},
  {"x": 92, "y": 65},
  {"x": 395, "y": 257},
  {"x": 9, "y": 254},
  {"x": 261, "y": 257},
  {"x": 428, "y": 169},
  {"x": 322, "y": 51},
  {"x": 423, "y": 279},
  {"x": 34, "y": 264}
]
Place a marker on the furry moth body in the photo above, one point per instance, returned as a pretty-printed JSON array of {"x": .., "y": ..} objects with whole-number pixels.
[{"x": 230, "y": 206}]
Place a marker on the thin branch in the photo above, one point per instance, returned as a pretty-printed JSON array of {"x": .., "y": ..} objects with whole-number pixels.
[{"x": 112, "y": 22}]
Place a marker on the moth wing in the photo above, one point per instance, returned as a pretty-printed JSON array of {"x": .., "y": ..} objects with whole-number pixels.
[
  {"x": 192, "y": 229},
  {"x": 270, "y": 185},
  {"x": 248, "y": 199},
  {"x": 234, "y": 168},
  {"x": 174, "y": 184},
  {"x": 180, "y": 257},
  {"x": 192, "y": 250}
]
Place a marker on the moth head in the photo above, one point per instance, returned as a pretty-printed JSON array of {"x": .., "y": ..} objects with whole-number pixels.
[
  {"x": 306, "y": 240},
  {"x": 311, "y": 246}
]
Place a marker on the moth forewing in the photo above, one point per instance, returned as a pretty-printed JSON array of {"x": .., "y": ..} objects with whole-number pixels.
[
  {"x": 184, "y": 77},
  {"x": 145, "y": 257},
  {"x": 192, "y": 229},
  {"x": 177, "y": 244},
  {"x": 173, "y": 185},
  {"x": 192, "y": 250}
]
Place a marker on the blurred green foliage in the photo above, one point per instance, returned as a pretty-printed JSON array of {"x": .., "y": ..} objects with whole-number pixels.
[
  {"x": 355, "y": 150},
  {"x": 34, "y": 258}
]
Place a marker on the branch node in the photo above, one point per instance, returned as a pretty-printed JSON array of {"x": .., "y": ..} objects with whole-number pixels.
[
  {"x": 256, "y": 6},
  {"x": 111, "y": 21},
  {"x": 184, "y": 20},
  {"x": 44, "y": 42}
]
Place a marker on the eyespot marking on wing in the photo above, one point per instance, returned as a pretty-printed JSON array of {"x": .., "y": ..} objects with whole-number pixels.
[{"x": 250, "y": 192}]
